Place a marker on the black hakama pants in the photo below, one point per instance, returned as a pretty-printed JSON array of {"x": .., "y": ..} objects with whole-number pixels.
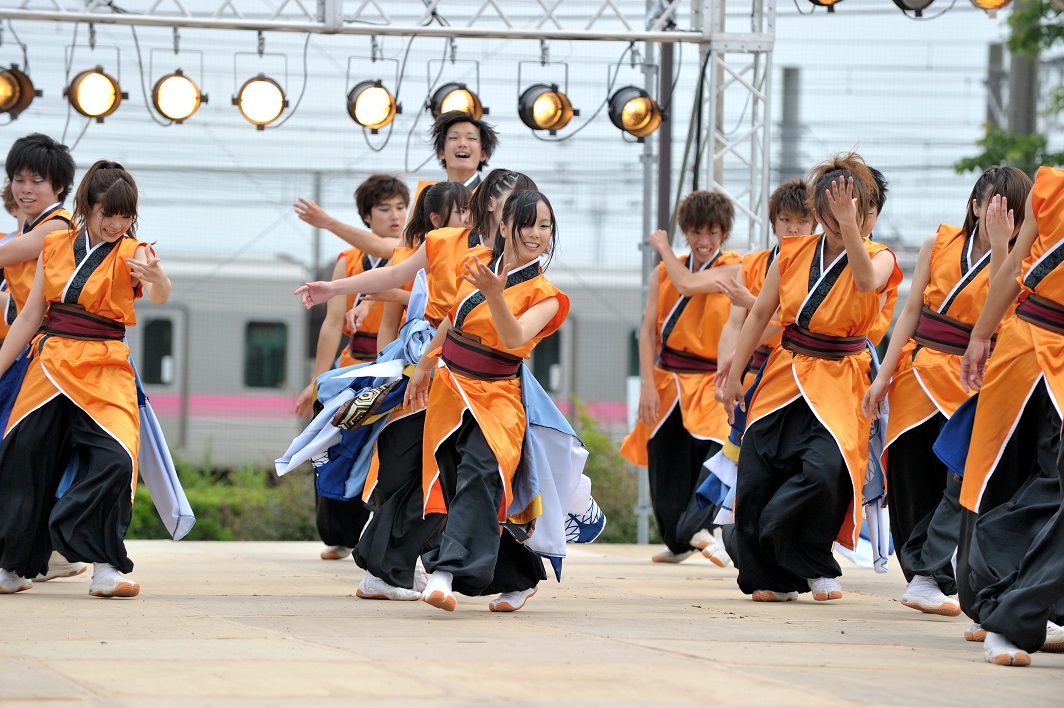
[
  {"x": 675, "y": 470},
  {"x": 483, "y": 559},
  {"x": 398, "y": 532},
  {"x": 792, "y": 494},
  {"x": 88, "y": 524},
  {"x": 339, "y": 523},
  {"x": 916, "y": 482},
  {"x": 1029, "y": 454}
]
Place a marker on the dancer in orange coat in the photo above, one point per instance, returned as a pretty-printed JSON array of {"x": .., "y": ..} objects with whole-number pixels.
[{"x": 805, "y": 450}]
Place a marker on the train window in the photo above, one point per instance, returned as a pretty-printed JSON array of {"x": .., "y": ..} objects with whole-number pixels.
[
  {"x": 265, "y": 354},
  {"x": 633, "y": 353},
  {"x": 157, "y": 365},
  {"x": 546, "y": 363}
]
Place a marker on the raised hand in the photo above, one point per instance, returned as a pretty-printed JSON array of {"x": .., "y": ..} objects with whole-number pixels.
[
  {"x": 841, "y": 200},
  {"x": 1000, "y": 222},
  {"x": 311, "y": 213},
  {"x": 484, "y": 280},
  {"x": 315, "y": 293},
  {"x": 150, "y": 272},
  {"x": 659, "y": 241}
]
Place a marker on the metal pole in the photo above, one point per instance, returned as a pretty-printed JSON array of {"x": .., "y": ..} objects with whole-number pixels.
[
  {"x": 665, "y": 140},
  {"x": 315, "y": 255},
  {"x": 995, "y": 81},
  {"x": 790, "y": 125}
]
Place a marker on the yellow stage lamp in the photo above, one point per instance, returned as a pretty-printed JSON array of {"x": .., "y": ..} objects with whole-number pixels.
[
  {"x": 990, "y": 5},
  {"x": 371, "y": 105},
  {"x": 634, "y": 111},
  {"x": 16, "y": 91},
  {"x": 176, "y": 97},
  {"x": 829, "y": 4},
  {"x": 261, "y": 101},
  {"x": 543, "y": 107},
  {"x": 456, "y": 97},
  {"x": 95, "y": 94}
]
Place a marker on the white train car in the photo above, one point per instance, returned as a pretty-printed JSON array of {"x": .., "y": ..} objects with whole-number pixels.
[{"x": 225, "y": 358}]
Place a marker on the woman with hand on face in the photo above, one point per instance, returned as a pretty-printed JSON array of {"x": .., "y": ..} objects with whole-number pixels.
[
  {"x": 475, "y": 419},
  {"x": 919, "y": 381},
  {"x": 805, "y": 450},
  {"x": 79, "y": 396}
]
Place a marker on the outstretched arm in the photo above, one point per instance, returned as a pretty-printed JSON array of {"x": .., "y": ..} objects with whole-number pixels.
[
  {"x": 363, "y": 240},
  {"x": 371, "y": 281},
  {"x": 688, "y": 283},
  {"x": 27, "y": 247}
]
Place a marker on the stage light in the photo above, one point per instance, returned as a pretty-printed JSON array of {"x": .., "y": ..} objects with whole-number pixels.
[
  {"x": 990, "y": 5},
  {"x": 371, "y": 105},
  {"x": 634, "y": 111},
  {"x": 917, "y": 7},
  {"x": 95, "y": 94},
  {"x": 829, "y": 4},
  {"x": 261, "y": 101},
  {"x": 176, "y": 97},
  {"x": 16, "y": 91},
  {"x": 456, "y": 97},
  {"x": 543, "y": 107}
]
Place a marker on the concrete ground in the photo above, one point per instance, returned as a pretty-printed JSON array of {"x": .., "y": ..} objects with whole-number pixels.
[{"x": 270, "y": 624}]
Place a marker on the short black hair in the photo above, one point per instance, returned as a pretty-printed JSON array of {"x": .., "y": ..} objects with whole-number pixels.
[
  {"x": 438, "y": 133},
  {"x": 881, "y": 184},
  {"x": 43, "y": 156}
]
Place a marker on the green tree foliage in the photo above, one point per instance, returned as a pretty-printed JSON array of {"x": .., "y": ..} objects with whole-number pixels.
[{"x": 1035, "y": 26}]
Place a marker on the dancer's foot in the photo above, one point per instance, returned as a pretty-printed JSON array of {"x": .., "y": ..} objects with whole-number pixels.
[
  {"x": 373, "y": 588},
  {"x": 668, "y": 556},
  {"x": 421, "y": 578},
  {"x": 923, "y": 595},
  {"x": 108, "y": 582},
  {"x": 11, "y": 582},
  {"x": 825, "y": 589},
  {"x": 702, "y": 539},
  {"x": 335, "y": 553},
  {"x": 974, "y": 633},
  {"x": 999, "y": 650},
  {"x": 511, "y": 601},
  {"x": 1054, "y": 642},
  {"x": 717, "y": 554},
  {"x": 438, "y": 591},
  {"x": 773, "y": 596},
  {"x": 60, "y": 567}
]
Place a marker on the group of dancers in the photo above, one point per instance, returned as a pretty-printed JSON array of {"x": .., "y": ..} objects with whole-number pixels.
[
  {"x": 785, "y": 339},
  {"x": 441, "y": 465}
]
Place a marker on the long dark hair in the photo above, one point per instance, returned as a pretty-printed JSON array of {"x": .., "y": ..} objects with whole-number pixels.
[
  {"x": 493, "y": 186},
  {"x": 110, "y": 187},
  {"x": 1009, "y": 182},
  {"x": 520, "y": 213},
  {"x": 441, "y": 199}
]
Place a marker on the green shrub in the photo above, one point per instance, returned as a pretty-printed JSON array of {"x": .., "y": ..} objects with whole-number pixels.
[{"x": 248, "y": 504}]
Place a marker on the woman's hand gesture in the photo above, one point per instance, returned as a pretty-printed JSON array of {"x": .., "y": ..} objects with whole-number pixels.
[
  {"x": 874, "y": 405},
  {"x": 841, "y": 200},
  {"x": 973, "y": 364},
  {"x": 733, "y": 395},
  {"x": 315, "y": 293},
  {"x": 417, "y": 389},
  {"x": 147, "y": 272},
  {"x": 1000, "y": 223},
  {"x": 484, "y": 280}
]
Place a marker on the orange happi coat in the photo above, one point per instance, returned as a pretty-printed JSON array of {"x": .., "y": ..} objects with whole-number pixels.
[
  {"x": 496, "y": 405},
  {"x": 355, "y": 262},
  {"x": 927, "y": 381},
  {"x": 19, "y": 276},
  {"x": 833, "y": 388},
  {"x": 95, "y": 375},
  {"x": 1025, "y": 353},
  {"x": 692, "y": 325},
  {"x": 754, "y": 269}
]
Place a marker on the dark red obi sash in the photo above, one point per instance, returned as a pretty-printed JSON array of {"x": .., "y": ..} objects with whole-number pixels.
[
  {"x": 684, "y": 362},
  {"x": 473, "y": 360},
  {"x": 820, "y": 346},
  {"x": 73, "y": 322},
  {"x": 1042, "y": 312},
  {"x": 363, "y": 345},
  {"x": 943, "y": 334},
  {"x": 757, "y": 359}
]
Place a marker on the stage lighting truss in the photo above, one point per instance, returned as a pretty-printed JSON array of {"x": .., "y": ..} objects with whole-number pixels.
[
  {"x": 175, "y": 96},
  {"x": 633, "y": 110},
  {"x": 829, "y": 4},
  {"x": 16, "y": 91},
  {"x": 916, "y": 7},
  {"x": 95, "y": 94},
  {"x": 543, "y": 106},
  {"x": 369, "y": 103}
]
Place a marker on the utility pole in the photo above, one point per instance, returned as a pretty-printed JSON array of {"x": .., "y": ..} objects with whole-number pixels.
[
  {"x": 995, "y": 83},
  {"x": 790, "y": 126}
]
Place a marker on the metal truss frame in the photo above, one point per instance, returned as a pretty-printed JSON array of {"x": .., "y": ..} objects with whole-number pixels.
[{"x": 738, "y": 63}]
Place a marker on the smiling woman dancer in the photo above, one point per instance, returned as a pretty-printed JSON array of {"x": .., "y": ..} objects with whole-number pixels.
[
  {"x": 475, "y": 419},
  {"x": 79, "y": 396},
  {"x": 805, "y": 451}
]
